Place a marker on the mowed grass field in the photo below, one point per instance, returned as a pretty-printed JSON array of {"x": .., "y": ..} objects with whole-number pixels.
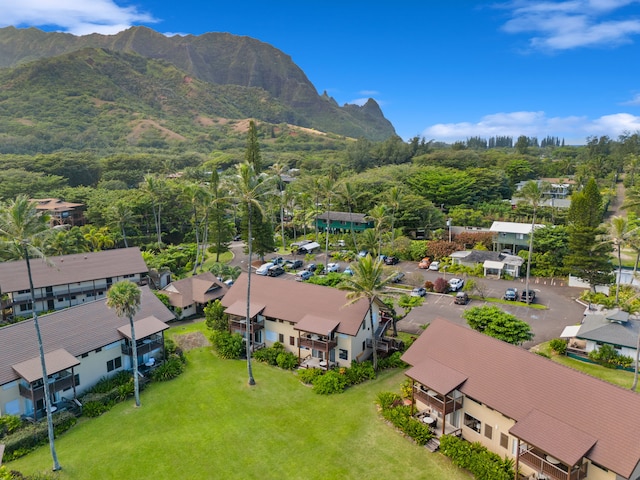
[{"x": 209, "y": 424}]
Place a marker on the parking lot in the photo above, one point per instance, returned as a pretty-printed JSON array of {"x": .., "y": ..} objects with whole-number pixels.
[{"x": 561, "y": 310}]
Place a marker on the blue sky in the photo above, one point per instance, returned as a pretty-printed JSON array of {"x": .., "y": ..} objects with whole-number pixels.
[{"x": 442, "y": 70}]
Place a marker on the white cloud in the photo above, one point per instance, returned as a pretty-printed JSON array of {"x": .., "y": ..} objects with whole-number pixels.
[
  {"x": 571, "y": 24},
  {"x": 362, "y": 100},
  {"x": 369, "y": 93},
  {"x": 79, "y": 17},
  {"x": 634, "y": 101},
  {"x": 573, "y": 129}
]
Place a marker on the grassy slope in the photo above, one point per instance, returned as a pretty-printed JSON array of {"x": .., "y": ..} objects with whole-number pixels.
[{"x": 209, "y": 424}]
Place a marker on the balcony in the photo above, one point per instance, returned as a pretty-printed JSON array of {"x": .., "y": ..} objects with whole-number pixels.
[
  {"x": 239, "y": 325},
  {"x": 318, "y": 342},
  {"x": 146, "y": 345},
  {"x": 551, "y": 467},
  {"x": 444, "y": 404},
  {"x": 36, "y": 393}
]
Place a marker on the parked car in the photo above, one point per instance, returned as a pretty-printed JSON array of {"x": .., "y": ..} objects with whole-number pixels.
[
  {"x": 511, "y": 294},
  {"x": 435, "y": 265},
  {"x": 348, "y": 271},
  {"x": 461, "y": 298},
  {"x": 363, "y": 253},
  {"x": 277, "y": 260},
  {"x": 312, "y": 267},
  {"x": 391, "y": 260},
  {"x": 333, "y": 267},
  {"x": 397, "y": 278},
  {"x": 424, "y": 263},
  {"x": 528, "y": 293},
  {"x": 264, "y": 268},
  {"x": 293, "y": 264},
  {"x": 275, "y": 271},
  {"x": 341, "y": 243},
  {"x": 419, "y": 292},
  {"x": 303, "y": 275},
  {"x": 456, "y": 284}
]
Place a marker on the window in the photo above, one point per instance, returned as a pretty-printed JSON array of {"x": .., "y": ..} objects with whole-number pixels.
[
  {"x": 343, "y": 354},
  {"x": 292, "y": 341},
  {"x": 61, "y": 299},
  {"x": 472, "y": 422},
  {"x": 281, "y": 337},
  {"x": 504, "y": 441},
  {"x": 24, "y": 307},
  {"x": 488, "y": 431},
  {"x": 114, "y": 364},
  {"x": 520, "y": 236}
]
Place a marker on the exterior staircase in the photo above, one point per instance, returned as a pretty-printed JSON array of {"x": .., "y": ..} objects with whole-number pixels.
[{"x": 433, "y": 444}]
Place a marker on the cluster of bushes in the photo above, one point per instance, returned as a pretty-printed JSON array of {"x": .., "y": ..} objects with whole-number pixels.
[
  {"x": 394, "y": 411},
  {"x": 26, "y": 436},
  {"x": 228, "y": 345},
  {"x": 6, "y": 474},
  {"x": 107, "y": 392},
  {"x": 608, "y": 357},
  {"x": 170, "y": 369},
  {"x": 483, "y": 464},
  {"x": 336, "y": 381},
  {"x": 558, "y": 345},
  {"x": 277, "y": 356}
]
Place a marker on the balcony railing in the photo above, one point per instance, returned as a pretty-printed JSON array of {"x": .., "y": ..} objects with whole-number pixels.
[
  {"x": 541, "y": 464},
  {"x": 240, "y": 325},
  {"x": 320, "y": 343},
  {"x": 55, "y": 385},
  {"x": 444, "y": 404},
  {"x": 146, "y": 345}
]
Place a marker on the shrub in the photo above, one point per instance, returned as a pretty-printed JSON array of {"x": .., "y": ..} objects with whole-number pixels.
[
  {"x": 170, "y": 369},
  {"x": 25, "y": 439},
  {"x": 9, "y": 424},
  {"x": 359, "y": 372},
  {"x": 428, "y": 285},
  {"x": 329, "y": 383},
  {"x": 94, "y": 409},
  {"x": 124, "y": 391},
  {"x": 228, "y": 345},
  {"x": 287, "y": 361},
  {"x": 400, "y": 417},
  {"x": 558, "y": 345},
  {"x": 169, "y": 346},
  {"x": 392, "y": 361},
  {"x": 483, "y": 464},
  {"x": 606, "y": 355},
  {"x": 440, "y": 285},
  {"x": 386, "y": 400},
  {"x": 269, "y": 355},
  {"x": 308, "y": 375}
]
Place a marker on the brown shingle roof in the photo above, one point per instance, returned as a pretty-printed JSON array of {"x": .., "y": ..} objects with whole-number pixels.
[
  {"x": 79, "y": 267},
  {"x": 516, "y": 383},
  {"x": 77, "y": 329},
  {"x": 201, "y": 289},
  {"x": 143, "y": 328},
  {"x": 56, "y": 361},
  {"x": 291, "y": 301}
]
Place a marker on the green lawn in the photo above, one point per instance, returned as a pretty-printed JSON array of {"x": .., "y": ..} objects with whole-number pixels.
[{"x": 209, "y": 423}]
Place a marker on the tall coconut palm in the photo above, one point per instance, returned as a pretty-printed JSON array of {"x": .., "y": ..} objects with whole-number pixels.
[
  {"x": 120, "y": 214},
  {"x": 532, "y": 192},
  {"x": 279, "y": 169},
  {"x": 196, "y": 195},
  {"x": 328, "y": 186},
  {"x": 155, "y": 188},
  {"x": 379, "y": 216},
  {"x": 124, "y": 298},
  {"x": 394, "y": 197},
  {"x": 249, "y": 190},
  {"x": 619, "y": 235},
  {"x": 368, "y": 281},
  {"x": 21, "y": 228},
  {"x": 349, "y": 196}
]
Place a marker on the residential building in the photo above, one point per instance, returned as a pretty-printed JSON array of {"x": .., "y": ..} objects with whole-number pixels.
[
  {"x": 82, "y": 344},
  {"x": 68, "y": 280},
  {"x": 511, "y": 237},
  {"x": 61, "y": 212},
  {"x": 314, "y": 322},
  {"x": 554, "y": 422},
  {"x": 343, "y": 222},
  {"x": 192, "y": 294},
  {"x": 494, "y": 264},
  {"x": 613, "y": 327}
]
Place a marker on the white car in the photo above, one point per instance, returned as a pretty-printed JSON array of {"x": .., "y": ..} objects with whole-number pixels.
[
  {"x": 434, "y": 266},
  {"x": 456, "y": 284},
  {"x": 264, "y": 268},
  {"x": 333, "y": 267}
]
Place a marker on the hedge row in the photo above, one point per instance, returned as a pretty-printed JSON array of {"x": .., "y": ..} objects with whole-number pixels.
[{"x": 482, "y": 463}]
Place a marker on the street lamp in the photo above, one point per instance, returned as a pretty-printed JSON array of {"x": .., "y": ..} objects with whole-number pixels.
[{"x": 449, "y": 225}]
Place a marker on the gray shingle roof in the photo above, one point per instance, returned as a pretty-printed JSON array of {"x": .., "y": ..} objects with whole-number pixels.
[
  {"x": 596, "y": 327},
  {"x": 78, "y": 330}
]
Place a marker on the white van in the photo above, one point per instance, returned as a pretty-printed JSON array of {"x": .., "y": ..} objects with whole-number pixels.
[{"x": 264, "y": 268}]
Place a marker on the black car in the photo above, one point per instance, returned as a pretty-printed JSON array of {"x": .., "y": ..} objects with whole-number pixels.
[
  {"x": 511, "y": 294},
  {"x": 275, "y": 271},
  {"x": 462, "y": 298},
  {"x": 391, "y": 260},
  {"x": 528, "y": 293},
  {"x": 311, "y": 267},
  {"x": 296, "y": 264}
]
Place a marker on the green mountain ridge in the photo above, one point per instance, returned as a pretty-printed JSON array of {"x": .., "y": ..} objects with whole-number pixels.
[{"x": 240, "y": 72}]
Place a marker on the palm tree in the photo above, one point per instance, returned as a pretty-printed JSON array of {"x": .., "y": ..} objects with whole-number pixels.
[
  {"x": 394, "y": 197},
  {"x": 379, "y": 216},
  {"x": 21, "y": 226},
  {"x": 120, "y": 214},
  {"x": 249, "y": 189},
  {"x": 197, "y": 196},
  {"x": 532, "y": 192},
  {"x": 619, "y": 235},
  {"x": 368, "y": 281},
  {"x": 279, "y": 169},
  {"x": 349, "y": 196},
  {"x": 156, "y": 188},
  {"x": 328, "y": 186},
  {"x": 124, "y": 298}
]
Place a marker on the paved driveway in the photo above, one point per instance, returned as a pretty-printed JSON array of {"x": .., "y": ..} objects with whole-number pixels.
[{"x": 560, "y": 300}]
